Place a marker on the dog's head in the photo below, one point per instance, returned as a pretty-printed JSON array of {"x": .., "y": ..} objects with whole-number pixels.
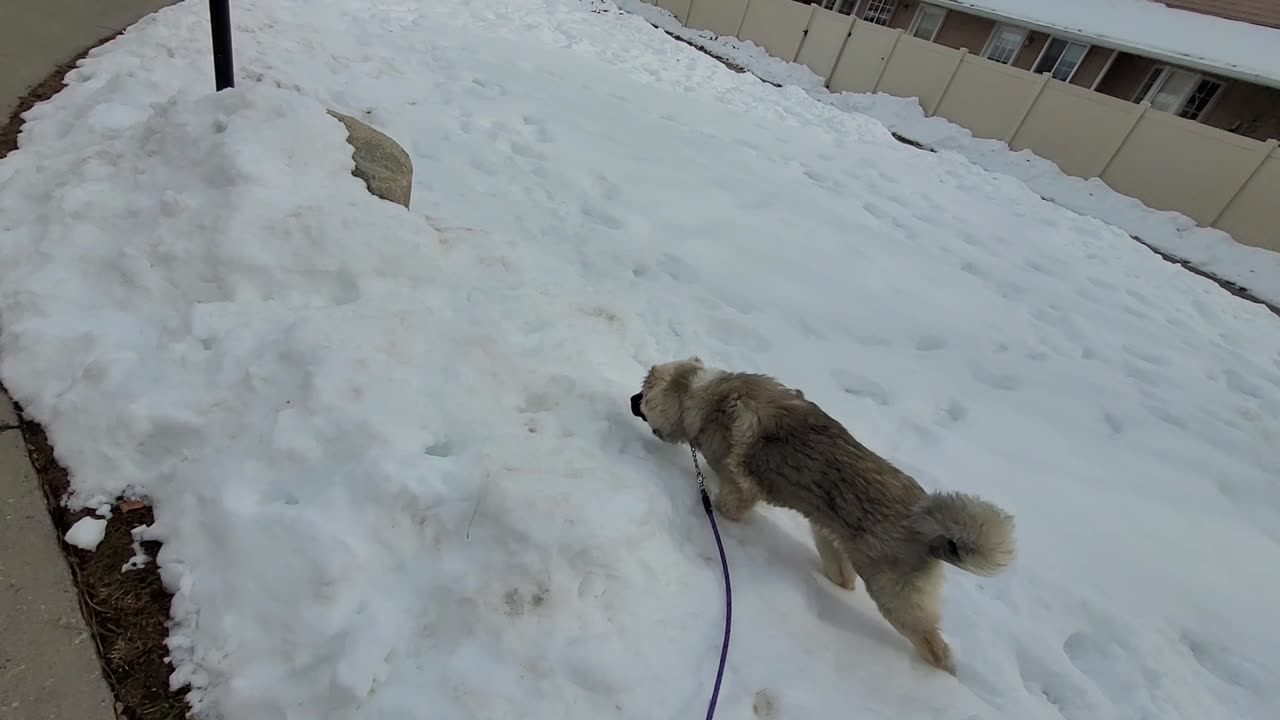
[{"x": 661, "y": 399}]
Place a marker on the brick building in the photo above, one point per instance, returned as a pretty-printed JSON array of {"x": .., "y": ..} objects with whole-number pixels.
[{"x": 1113, "y": 51}]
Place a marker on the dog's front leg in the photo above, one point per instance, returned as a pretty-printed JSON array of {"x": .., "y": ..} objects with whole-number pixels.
[
  {"x": 737, "y": 494},
  {"x": 835, "y": 563}
]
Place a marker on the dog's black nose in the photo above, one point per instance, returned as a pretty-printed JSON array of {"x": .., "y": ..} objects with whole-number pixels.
[{"x": 635, "y": 406}]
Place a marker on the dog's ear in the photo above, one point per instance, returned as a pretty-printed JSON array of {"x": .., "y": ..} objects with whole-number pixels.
[{"x": 696, "y": 360}]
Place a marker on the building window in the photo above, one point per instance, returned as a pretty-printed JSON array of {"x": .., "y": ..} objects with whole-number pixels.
[
  {"x": 844, "y": 7},
  {"x": 880, "y": 12},
  {"x": 1005, "y": 42},
  {"x": 1061, "y": 58},
  {"x": 928, "y": 21},
  {"x": 1200, "y": 99},
  {"x": 1182, "y": 92}
]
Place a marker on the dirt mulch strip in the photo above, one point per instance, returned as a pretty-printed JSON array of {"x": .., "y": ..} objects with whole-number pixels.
[
  {"x": 127, "y": 612},
  {"x": 1237, "y": 290}
]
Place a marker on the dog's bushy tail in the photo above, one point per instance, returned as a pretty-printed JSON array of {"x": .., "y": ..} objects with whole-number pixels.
[{"x": 966, "y": 531}]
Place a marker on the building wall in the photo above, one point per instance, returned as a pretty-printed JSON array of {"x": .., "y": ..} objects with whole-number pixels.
[
  {"x": 1247, "y": 109},
  {"x": 902, "y": 16},
  {"x": 1126, "y": 76},
  {"x": 960, "y": 30},
  {"x": 1030, "y": 52},
  {"x": 1092, "y": 64},
  {"x": 1244, "y": 108}
]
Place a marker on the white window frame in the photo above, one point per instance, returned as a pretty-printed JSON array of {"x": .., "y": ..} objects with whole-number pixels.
[
  {"x": 834, "y": 6},
  {"x": 1209, "y": 106},
  {"x": 915, "y": 22},
  {"x": 995, "y": 33},
  {"x": 1164, "y": 72},
  {"x": 1045, "y": 49},
  {"x": 1106, "y": 68},
  {"x": 888, "y": 8}
]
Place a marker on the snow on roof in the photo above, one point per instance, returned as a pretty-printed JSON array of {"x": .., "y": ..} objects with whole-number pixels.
[{"x": 1228, "y": 47}]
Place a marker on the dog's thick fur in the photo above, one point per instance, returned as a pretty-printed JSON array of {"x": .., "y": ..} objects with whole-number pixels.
[{"x": 767, "y": 442}]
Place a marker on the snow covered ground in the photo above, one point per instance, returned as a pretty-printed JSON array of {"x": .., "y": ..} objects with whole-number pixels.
[
  {"x": 1209, "y": 249},
  {"x": 390, "y": 452}
]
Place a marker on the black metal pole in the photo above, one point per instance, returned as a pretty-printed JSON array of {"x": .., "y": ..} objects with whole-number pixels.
[{"x": 223, "y": 66}]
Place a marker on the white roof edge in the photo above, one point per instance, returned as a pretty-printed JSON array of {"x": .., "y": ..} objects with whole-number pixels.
[{"x": 1106, "y": 42}]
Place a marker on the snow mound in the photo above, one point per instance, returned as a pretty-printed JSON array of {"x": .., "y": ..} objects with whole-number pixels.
[
  {"x": 390, "y": 454},
  {"x": 1208, "y": 249},
  {"x": 87, "y": 533}
]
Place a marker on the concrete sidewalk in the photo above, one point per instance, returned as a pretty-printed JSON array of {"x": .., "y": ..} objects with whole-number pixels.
[
  {"x": 38, "y": 35},
  {"x": 48, "y": 663},
  {"x": 49, "y": 666}
]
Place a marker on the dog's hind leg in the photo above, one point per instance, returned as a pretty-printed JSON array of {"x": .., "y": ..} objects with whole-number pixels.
[
  {"x": 737, "y": 494},
  {"x": 835, "y": 564},
  {"x": 912, "y": 608}
]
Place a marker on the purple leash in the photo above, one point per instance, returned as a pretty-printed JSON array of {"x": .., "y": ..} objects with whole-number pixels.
[{"x": 728, "y": 593}]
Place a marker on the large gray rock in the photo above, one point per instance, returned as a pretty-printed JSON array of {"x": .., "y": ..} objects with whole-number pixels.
[{"x": 381, "y": 163}]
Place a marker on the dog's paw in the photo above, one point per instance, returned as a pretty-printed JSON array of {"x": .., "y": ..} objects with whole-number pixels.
[
  {"x": 935, "y": 651},
  {"x": 842, "y": 576}
]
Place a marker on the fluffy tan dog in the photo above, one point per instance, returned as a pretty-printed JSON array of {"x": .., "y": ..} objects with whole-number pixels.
[{"x": 765, "y": 441}]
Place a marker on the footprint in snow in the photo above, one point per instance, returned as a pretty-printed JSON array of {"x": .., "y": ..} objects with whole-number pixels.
[
  {"x": 997, "y": 379},
  {"x": 1115, "y": 673},
  {"x": 557, "y": 389},
  {"x": 807, "y": 329},
  {"x": 1044, "y": 678},
  {"x": 1040, "y": 266},
  {"x": 737, "y": 303},
  {"x": 817, "y": 177},
  {"x": 1143, "y": 375},
  {"x": 763, "y": 705},
  {"x": 869, "y": 340},
  {"x": 1165, "y": 415},
  {"x": 525, "y": 150},
  {"x": 953, "y": 413},
  {"x": 441, "y": 448},
  {"x": 1218, "y": 660},
  {"x": 1243, "y": 385},
  {"x": 538, "y": 129},
  {"x": 738, "y": 335},
  {"x": 1146, "y": 356},
  {"x": 678, "y": 269},
  {"x": 861, "y": 386},
  {"x": 599, "y": 215},
  {"x": 930, "y": 342}
]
